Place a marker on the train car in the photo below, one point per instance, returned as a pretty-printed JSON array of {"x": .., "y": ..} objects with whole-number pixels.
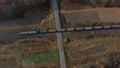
[
  {"x": 52, "y": 31},
  {"x": 70, "y": 29},
  {"x": 106, "y": 27},
  {"x": 29, "y": 33},
  {"x": 79, "y": 29},
  {"x": 44, "y": 31},
  {"x": 88, "y": 28},
  {"x": 116, "y": 26},
  {"x": 61, "y": 30},
  {"x": 97, "y": 27}
]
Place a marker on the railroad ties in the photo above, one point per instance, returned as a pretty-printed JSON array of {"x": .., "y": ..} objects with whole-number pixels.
[{"x": 71, "y": 30}]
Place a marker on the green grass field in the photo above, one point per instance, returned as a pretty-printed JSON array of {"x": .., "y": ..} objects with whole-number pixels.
[{"x": 42, "y": 58}]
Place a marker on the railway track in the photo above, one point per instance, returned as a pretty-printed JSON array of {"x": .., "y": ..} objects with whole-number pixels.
[
  {"x": 38, "y": 33},
  {"x": 71, "y": 30}
]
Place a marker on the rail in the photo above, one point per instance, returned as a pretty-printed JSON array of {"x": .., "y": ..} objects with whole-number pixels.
[{"x": 72, "y": 29}]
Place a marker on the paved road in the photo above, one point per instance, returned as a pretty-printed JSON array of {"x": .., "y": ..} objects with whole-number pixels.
[{"x": 59, "y": 38}]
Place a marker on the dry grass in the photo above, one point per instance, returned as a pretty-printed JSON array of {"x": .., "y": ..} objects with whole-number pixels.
[
  {"x": 10, "y": 63},
  {"x": 29, "y": 45},
  {"x": 37, "y": 45},
  {"x": 47, "y": 23},
  {"x": 87, "y": 47}
]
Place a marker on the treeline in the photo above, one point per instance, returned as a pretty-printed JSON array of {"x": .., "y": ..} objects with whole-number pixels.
[
  {"x": 11, "y": 8},
  {"x": 105, "y": 3}
]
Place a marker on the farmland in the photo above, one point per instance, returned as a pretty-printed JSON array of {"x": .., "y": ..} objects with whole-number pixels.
[
  {"x": 41, "y": 57},
  {"x": 92, "y": 17},
  {"x": 85, "y": 49},
  {"x": 40, "y": 51},
  {"x": 96, "y": 45},
  {"x": 28, "y": 24},
  {"x": 28, "y": 52},
  {"x": 35, "y": 17}
]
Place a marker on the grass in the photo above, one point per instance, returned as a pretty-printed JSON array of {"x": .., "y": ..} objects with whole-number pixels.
[
  {"x": 42, "y": 58},
  {"x": 84, "y": 42}
]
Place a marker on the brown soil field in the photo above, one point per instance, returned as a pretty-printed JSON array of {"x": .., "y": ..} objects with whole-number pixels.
[
  {"x": 84, "y": 48},
  {"x": 92, "y": 17},
  {"x": 36, "y": 24},
  {"x": 21, "y": 22},
  {"x": 17, "y": 48}
]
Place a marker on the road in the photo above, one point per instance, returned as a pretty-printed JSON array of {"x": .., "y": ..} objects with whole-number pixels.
[{"x": 59, "y": 37}]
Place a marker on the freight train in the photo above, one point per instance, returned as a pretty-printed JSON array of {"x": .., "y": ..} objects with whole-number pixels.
[{"x": 71, "y": 29}]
